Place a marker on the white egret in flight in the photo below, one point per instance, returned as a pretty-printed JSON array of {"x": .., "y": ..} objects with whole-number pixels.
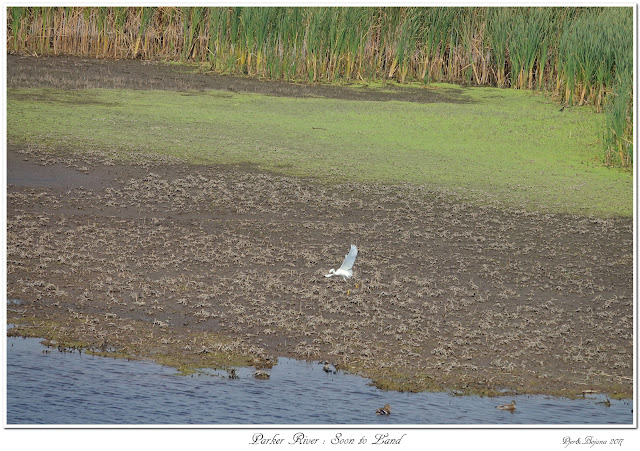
[{"x": 345, "y": 270}]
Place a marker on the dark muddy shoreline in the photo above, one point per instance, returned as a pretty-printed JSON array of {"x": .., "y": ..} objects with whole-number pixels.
[
  {"x": 215, "y": 265},
  {"x": 82, "y": 73}
]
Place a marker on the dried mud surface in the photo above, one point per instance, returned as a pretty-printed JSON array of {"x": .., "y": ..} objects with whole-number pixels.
[
  {"x": 81, "y": 73},
  {"x": 160, "y": 259}
]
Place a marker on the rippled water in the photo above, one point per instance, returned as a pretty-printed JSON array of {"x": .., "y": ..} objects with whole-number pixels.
[{"x": 72, "y": 388}]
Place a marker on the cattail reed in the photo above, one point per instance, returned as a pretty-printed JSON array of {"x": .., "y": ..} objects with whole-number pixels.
[{"x": 578, "y": 55}]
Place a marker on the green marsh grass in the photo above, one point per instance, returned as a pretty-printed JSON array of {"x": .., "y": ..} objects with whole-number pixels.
[
  {"x": 542, "y": 161},
  {"x": 578, "y": 55}
]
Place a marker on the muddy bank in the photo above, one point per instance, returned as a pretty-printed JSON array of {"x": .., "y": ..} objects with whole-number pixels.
[
  {"x": 194, "y": 265},
  {"x": 223, "y": 266},
  {"x": 83, "y": 73}
]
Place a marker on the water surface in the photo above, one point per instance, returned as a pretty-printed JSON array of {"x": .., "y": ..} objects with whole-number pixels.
[{"x": 73, "y": 388}]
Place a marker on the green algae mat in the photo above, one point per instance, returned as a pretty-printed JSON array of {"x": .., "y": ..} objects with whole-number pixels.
[{"x": 488, "y": 145}]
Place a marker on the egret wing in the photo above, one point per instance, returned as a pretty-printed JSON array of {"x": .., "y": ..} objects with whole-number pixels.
[{"x": 347, "y": 264}]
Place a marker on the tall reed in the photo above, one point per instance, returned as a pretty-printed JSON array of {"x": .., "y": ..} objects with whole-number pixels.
[{"x": 580, "y": 55}]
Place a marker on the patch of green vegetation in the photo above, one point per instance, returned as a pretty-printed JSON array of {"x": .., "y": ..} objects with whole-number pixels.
[
  {"x": 507, "y": 146},
  {"x": 404, "y": 380},
  {"x": 63, "y": 333},
  {"x": 618, "y": 395},
  {"x": 51, "y": 331},
  {"x": 394, "y": 379}
]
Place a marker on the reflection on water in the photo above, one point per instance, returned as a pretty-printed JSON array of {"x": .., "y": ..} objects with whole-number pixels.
[{"x": 73, "y": 388}]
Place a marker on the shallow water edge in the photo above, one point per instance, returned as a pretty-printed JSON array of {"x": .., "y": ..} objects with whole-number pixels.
[{"x": 49, "y": 386}]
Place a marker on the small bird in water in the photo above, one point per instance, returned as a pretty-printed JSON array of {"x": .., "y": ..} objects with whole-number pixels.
[
  {"x": 345, "y": 270},
  {"x": 386, "y": 410},
  {"x": 326, "y": 368},
  {"x": 511, "y": 406},
  {"x": 232, "y": 374}
]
